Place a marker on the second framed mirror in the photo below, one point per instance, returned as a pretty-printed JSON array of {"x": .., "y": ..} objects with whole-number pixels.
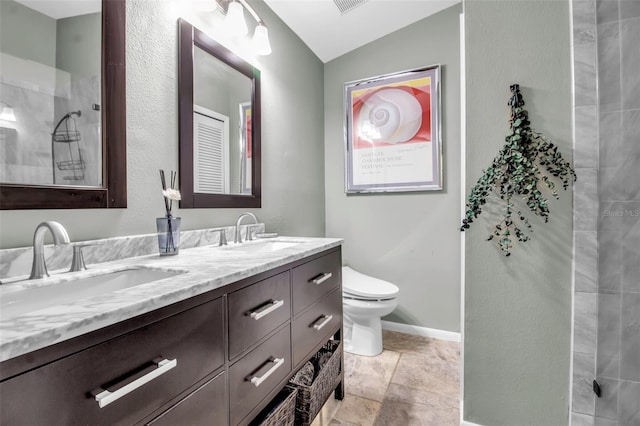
[{"x": 219, "y": 114}]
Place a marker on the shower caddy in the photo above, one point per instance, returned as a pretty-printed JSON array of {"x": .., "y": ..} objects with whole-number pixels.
[{"x": 66, "y": 131}]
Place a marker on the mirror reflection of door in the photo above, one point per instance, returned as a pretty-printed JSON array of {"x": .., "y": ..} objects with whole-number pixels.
[
  {"x": 50, "y": 82},
  {"x": 245, "y": 147},
  {"x": 220, "y": 91},
  {"x": 210, "y": 152}
]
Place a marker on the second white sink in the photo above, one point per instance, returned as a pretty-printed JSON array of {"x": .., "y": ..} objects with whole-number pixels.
[{"x": 263, "y": 246}]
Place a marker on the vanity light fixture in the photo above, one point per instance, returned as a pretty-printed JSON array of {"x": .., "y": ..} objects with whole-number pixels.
[
  {"x": 234, "y": 21},
  {"x": 7, "y": 117},
  {"x": 237, "y": 26},
  {"x": 7, "y": 114}
]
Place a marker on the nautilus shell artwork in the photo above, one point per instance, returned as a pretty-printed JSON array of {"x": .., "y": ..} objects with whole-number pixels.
[{"x": 390, "y": 115}]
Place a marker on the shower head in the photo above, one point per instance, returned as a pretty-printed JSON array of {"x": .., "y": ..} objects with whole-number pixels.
[{"x": 77, "y": 113}]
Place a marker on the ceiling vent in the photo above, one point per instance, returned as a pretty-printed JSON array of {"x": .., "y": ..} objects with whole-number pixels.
[{"x": 348, "y": 5}]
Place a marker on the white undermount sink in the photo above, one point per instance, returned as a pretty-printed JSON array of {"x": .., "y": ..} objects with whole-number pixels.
[
  {"x": 263, "y": 246},
  {"x": 14, "y": 303}
]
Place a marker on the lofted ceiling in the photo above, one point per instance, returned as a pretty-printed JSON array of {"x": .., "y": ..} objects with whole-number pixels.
[{"x": 332, "y": 28}]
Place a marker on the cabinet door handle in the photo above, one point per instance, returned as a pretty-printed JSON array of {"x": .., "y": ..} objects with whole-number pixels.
[
  {"x": 327, "y": 320},
  {"x": 270, "y": 307},
  {"x": 257, "y": 380},
  {"x": 106, "y": 397},
  {"x": 322, "y": 278}
]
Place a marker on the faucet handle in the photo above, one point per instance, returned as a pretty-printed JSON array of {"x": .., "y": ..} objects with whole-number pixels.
[
  {"x": 250, "y": 229},
  {"x": 223, "y": 236},
  {"x": 77, "y": 263}
]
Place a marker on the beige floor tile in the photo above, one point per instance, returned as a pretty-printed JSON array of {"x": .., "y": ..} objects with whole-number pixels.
[
  {"x": 428, "y": 373},
  {"x": 368, "y": 377},
  {"x": 398, "y": 413},
  {"x": 356, "y": 411},
  {"x": 434, "y": 401},
  {"x": 410, "y": 344},
  {"x": 414, "y": 382}
]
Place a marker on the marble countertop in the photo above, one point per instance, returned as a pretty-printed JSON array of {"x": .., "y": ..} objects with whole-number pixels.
[{"x": 205, "y": 268}]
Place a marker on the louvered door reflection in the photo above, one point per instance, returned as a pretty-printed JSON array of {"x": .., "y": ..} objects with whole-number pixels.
[{"x": 211, "y": 156}]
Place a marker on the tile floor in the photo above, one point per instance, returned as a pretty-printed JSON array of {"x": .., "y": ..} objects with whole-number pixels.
[{"x": 414, "y": 381}]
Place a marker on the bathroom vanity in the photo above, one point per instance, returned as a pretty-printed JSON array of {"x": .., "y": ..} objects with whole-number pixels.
[{"x": 211, "y": 346}]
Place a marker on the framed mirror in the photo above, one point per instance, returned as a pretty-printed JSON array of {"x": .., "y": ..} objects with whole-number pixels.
[
  {"x": 219, "y": 108},
  {"x": 66, "y": 140}
]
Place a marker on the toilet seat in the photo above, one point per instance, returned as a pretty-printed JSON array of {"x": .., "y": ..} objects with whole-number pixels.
[{"x": 358, "y": 286}]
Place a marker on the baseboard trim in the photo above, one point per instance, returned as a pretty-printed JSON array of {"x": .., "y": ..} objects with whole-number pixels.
[
  {"x": 422, "y": 331},
  {"x": 466, "y": 423}
]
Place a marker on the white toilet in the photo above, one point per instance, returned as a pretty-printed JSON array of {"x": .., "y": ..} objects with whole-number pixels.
[{"x": 365, "y": 300}]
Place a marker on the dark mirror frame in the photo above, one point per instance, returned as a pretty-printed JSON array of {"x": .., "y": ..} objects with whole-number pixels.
[
  {"x": 113, "y": 193},
  {"x": 189, "y": 36}
]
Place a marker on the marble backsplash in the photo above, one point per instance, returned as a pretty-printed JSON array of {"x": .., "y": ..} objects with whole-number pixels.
[{"x": 17, "y": 262}]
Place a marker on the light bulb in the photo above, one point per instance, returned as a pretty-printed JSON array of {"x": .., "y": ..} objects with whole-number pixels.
[
  {"x": 7, "y": 114},
  {"x": 261, "y": 43},
  {"x": 235, "y": 24}
]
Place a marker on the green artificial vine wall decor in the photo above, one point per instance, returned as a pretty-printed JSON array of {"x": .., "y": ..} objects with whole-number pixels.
[{"x": 517, "y": 171}]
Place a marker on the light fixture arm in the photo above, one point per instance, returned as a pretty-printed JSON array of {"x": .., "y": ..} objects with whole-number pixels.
[
  {"x": 224, "y": 5},
  {"x": 251, "y": 11}
]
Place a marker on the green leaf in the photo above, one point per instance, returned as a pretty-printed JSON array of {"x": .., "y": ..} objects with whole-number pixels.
[{"x": 526, "y": 158}]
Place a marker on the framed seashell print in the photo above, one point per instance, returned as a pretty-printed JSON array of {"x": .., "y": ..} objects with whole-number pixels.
[{"x": 392, "y": 132}]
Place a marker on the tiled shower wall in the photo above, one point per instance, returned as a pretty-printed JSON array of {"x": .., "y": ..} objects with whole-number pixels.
[
  {"x": 607, "y": 212},
  {"x": 83, "y": 94},
  {"x": 25, "y": 152},
  {"x": 585, "y": 221}
]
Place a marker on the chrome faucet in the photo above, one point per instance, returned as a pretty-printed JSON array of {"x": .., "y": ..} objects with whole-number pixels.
[
  {"x": 60, "y": 236},
  {"x": 238, "y": 237}
]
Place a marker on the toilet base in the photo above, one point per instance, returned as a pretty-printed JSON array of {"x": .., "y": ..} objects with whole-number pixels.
[{"x": 363, "y": 336}]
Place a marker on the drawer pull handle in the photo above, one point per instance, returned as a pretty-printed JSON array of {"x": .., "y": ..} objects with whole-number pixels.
[
  {"x": 327, "y": 320},
  {"x": 270, "y": 307},
  {"x": 322, "y": 278},
  {"x": 106, "y": 397},
  {"x": 277, "y": 362}
]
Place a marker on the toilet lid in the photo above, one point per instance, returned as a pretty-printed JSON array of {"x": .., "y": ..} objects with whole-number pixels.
[{"x": 363, "y": 286}]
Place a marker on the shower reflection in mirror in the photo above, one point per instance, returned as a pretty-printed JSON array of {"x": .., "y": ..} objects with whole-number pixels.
[{"x": 50, "y": 62}]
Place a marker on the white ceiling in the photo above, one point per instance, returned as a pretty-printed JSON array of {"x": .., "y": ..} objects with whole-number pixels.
[
  {"x": 57, "y": 9},
  {"x": 329, "y": 33}
]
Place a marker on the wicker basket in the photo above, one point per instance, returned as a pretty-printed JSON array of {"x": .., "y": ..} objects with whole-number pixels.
[
  {"x": 281, "y": 411},
  {"x": 311, "y": 398}
]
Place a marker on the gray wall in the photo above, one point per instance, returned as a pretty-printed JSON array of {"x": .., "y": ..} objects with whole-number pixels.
[
  {"x": 27, "y": 34},
  {"x": 78, "y": 41},
  {"x": 412, "y": 239},
  {"x": 517, "y": 318},
  {"x": 292, "y": 135}
]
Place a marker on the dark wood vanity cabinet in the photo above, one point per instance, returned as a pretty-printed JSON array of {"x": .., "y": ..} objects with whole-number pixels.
[
  {"x": 316, "y": 278},
  {"x": 143, "y": 370},
  {"x": 216, "y": 359},
  {"x": 207, "y": 405},
  {"x": 258, "y": 373},
  {"x": 257, "y": 310}
]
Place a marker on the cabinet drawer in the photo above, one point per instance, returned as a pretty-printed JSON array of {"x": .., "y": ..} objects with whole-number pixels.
[
  {"x": 316, "y": 325},
  {"x": 257, "y": 310},
  {"x": 267, "y": 365},
  {"x": 206, "y": 406},
  {"x": 63, "y": 392},
  {"x": 314, "y": 279}
]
